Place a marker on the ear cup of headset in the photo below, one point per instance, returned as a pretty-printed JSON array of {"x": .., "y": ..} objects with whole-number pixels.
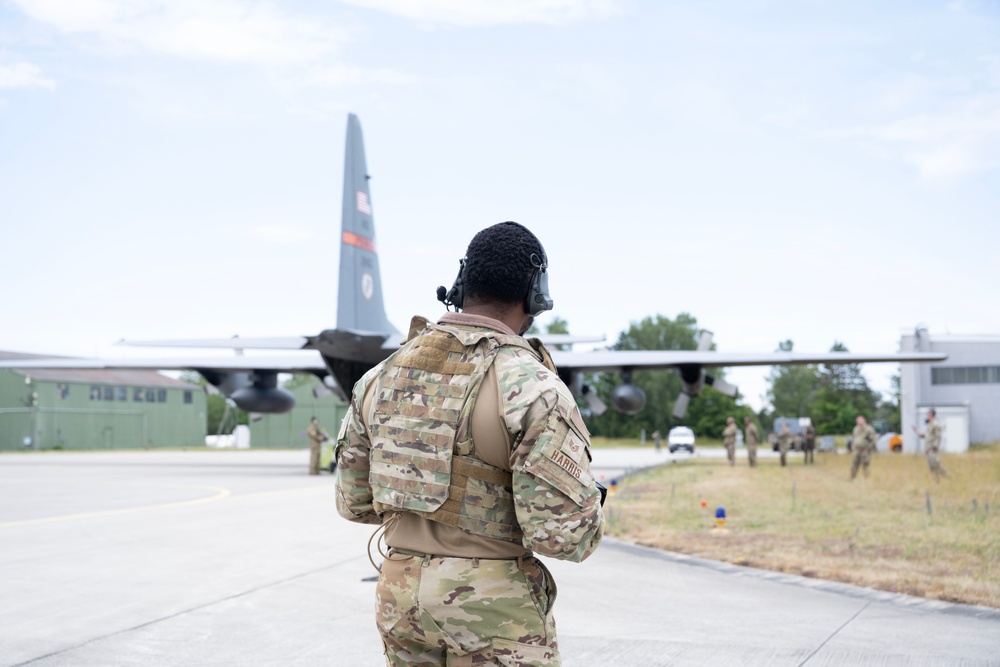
[{"x": 538, "y": 299}]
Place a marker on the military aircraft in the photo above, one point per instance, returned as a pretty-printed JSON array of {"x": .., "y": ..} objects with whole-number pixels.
[{"x": 364, "y": 336}]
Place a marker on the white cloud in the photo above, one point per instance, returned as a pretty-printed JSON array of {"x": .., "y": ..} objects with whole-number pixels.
[
  {"x": 955, "y": 142},
  {"x": 492, "y": 12},
  {"x": 23, "y": 75},
  {"x": 226, "y": 30}
]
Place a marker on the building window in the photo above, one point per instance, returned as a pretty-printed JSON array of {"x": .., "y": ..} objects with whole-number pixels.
[
  {"x": 966, "y": 375},
  {"x": 95, "y": 392},
  {"x": 63, "y": 390},
  {"x": 150, "y": 396},
  {"x": 109, "y": 393},
  {"x": 161, "y": 395},
  {"x": 137, "y": 395},
  {"x": 188, "y": 398},
  {"x": 122, "y": 394}
]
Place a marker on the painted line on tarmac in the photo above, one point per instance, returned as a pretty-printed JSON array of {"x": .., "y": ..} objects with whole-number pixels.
[
  {"x": 220, "y": 493},
  {"x": 283, "y": 492}
]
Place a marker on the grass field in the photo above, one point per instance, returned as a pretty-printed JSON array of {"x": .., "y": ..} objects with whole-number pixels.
[{"x": 896, "y": 531}]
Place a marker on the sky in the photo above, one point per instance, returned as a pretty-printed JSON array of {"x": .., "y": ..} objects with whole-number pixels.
[{"x": 810, "y": 170}]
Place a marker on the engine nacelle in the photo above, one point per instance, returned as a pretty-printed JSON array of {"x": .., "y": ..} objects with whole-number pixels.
[
  {"x": 628, "y": 399},
  {"x": 263, "y": 399},
  {"x": 255, "y": 391}
]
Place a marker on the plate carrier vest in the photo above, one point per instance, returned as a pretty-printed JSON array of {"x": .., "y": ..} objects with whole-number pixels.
[{"x": 423, "y": 459}]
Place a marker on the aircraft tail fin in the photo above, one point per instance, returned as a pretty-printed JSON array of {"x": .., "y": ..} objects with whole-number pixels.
[{"x": 360, "y": 306}]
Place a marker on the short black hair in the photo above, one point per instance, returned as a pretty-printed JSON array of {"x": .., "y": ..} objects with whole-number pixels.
[{"x": 499, "y": 263}]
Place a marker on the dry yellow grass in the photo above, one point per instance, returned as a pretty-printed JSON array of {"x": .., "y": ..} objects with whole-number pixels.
[{"x": 815, "y": 521}]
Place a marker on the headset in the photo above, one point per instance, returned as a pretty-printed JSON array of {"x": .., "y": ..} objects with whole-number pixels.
[
  {"x": 536, "y": 301},
  {"x": 456, "y": 295}
]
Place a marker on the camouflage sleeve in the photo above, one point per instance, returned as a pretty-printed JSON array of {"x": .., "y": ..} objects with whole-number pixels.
[
  {"x": 556, "y": 499},
  {"x": 354, "y": 491}
]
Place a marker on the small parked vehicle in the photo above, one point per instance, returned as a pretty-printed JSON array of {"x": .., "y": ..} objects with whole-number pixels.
[{"x": 680, "y": 437}]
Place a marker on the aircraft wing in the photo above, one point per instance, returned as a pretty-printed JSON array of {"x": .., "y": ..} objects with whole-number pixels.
[
  {"x": 234, "y": 343},
  {"x": 308, "y": 362},
  {"x": 303, "y": 342},
  {"x": 616, "y": 360},
  {"x": 592, "y": 362},
  {"x": 690, "y": 365}
]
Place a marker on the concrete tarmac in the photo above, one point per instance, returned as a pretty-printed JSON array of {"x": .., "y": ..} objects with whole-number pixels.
[{"x": 239, "y": 558}]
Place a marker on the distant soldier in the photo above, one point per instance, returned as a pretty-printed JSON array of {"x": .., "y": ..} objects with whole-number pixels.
[
  {"x": 729, "y": 439},
  {"x": 752, "y": 437},
  {"x": 316, "y": 437},
  {"x": 932, "y": 441},
  {"x": 809, "y": 444},
  {"x": 657, "y": 439},
  {"x": 863, "y": 439},
  {"x": 784, "y": 442}
]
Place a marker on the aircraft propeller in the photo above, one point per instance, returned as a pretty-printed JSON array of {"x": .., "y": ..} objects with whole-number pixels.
[
  {"x": 694, "y": 377},
  {"x": 597, "y": 406}
]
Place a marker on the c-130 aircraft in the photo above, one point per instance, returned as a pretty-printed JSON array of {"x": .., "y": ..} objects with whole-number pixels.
[{"x": 364, "y": 336}]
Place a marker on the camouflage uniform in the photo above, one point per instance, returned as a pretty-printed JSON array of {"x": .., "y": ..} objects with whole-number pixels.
[
  {"x": 316, "y": 438},
  {"x": 933, "y": 442},
  {"x": 864, "y": 439},
  {"x": 460, "y": 585},
  {"x": 729, "y": 440},
  {"x": 809, "y": 444},
  {"x": 752, "y": 438},
  {"x": 784, "y": 443}
]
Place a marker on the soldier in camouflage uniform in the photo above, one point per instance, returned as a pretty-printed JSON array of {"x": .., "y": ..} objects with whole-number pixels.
[
  {"x": 784, "y": 443},
  {"x": 809, "y": 444},
  {"x": 316, "y": 437},
  {"x": 471, "y": 453},
  {"x": 932, "y": 442},
  {"x": 864, "y": 439},
  {"x": 729, "y": 440},
  {"x": 752, "y": 438}
]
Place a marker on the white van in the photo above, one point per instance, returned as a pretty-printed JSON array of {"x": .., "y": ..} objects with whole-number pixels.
[{"x": 680, "y": 437}]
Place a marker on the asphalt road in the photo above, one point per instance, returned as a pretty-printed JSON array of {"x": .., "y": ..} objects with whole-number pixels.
[{"x": 239, "y": 558}]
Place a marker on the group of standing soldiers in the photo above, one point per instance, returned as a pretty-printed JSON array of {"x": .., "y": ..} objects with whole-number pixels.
[
  {"x": 751, "y": 436},
  {"x": 862, "y": 444}
]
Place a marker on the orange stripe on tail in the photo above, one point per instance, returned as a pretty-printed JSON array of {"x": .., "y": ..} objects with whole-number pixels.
[{"x": 350, "y": 238}]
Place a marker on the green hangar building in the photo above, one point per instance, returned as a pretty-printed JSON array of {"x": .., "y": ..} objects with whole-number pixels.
[{"x": 42, "y": 408}]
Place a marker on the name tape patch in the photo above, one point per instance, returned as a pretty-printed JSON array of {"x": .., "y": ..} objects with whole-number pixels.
[{"x": 567, "y": 464}]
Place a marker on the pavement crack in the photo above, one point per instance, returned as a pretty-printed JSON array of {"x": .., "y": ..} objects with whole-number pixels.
[{"x": 835, "y": 633}]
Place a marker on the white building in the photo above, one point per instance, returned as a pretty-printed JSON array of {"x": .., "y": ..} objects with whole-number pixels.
[{"x": 964, "y": 390}]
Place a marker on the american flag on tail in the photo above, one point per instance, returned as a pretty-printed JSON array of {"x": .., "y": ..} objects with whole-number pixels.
[{"x": 363, "y": 205}]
